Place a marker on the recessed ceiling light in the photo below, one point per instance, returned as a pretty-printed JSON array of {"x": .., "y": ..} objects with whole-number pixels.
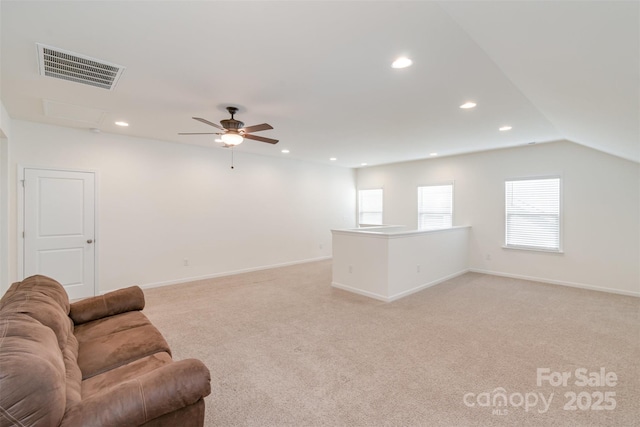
[
  {"x": 468, "y": 105},
  {"x": 363, "y": 164},
  {"x": 333, "y": 159},
  {"x": 433, "y": 154},
  {"x": 505, "y": 128},
  {"x": 285, "y": 151},
  {"x": 123, "y": 124},
  {"x": 402, "y": 62}
]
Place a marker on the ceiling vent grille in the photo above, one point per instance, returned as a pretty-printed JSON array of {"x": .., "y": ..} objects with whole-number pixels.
[{"x": 62, "y": 64}]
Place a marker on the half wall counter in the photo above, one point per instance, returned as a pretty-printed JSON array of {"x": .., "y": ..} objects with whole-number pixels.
[{"x": 390, "y": 262}]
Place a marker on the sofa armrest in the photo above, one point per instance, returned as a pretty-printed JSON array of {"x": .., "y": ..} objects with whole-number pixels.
[
  {"x": 149, "y": 396},
  {"x": 109, "y": 304}
]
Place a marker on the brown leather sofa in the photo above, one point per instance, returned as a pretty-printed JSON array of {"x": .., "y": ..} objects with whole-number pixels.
[{"x": 96, "y": 362}]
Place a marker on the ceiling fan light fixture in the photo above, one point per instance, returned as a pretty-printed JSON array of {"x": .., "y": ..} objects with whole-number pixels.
[{"x": 232, "y": 138}]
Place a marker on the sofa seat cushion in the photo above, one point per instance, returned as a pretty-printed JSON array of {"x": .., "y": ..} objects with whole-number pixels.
[
  {"x": 115, "y": 349},
  {"x": 114, "y": 377},
  {"x": 109, "y": 325}
]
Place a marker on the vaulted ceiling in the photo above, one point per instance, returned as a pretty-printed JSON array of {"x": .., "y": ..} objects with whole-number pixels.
[{"x": 320, "y": 73}]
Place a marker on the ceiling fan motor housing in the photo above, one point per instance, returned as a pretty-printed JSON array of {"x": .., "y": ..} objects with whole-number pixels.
[{"x": 232, "y": 124}]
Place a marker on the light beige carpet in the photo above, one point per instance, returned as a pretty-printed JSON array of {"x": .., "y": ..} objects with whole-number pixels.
[{"x": 284, "y": 348}]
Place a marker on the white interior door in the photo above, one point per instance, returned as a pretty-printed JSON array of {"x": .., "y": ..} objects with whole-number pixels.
[{"x": 59, "y": 228}]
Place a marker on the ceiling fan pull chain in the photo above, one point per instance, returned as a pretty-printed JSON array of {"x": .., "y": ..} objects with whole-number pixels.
[{"x": 231, "y": 157}]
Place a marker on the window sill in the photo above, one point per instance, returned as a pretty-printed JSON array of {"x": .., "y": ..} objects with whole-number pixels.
[{"x": 531, "y": 249}]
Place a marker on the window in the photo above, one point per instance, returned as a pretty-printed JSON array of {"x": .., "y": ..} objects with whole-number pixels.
[
  {"x": 533, "y": 213},
  {"x": 435, "y": 206},
  {"x": 370, "y": 207}
]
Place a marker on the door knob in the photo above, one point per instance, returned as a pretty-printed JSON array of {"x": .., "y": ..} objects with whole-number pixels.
[{"x": 90, "y": 241}]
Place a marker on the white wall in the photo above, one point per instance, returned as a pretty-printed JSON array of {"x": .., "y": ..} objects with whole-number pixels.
[
  {"x": 425, "y": 259},
  {"x": 5, "y": 133},
  {"x": 601, "y": 208},
  {"x": 161, "y": 202}
]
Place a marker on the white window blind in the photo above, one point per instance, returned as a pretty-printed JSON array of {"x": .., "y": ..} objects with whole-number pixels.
[
  {"x": 533, "y": 213},
  {"x": 370, "y": 207},
  {"x": 435, "y": 206}
]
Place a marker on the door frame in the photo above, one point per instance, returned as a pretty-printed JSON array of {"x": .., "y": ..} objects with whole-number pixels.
[{"x": 20, "y": 218}]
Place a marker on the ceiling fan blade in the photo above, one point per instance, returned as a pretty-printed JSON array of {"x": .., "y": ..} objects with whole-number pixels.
[
  {"x": 261, "y": 139},
  {"x": 205, "y": 121},
  {"x": 257, "y": 128},
  {"x": 199, "y": 133}
]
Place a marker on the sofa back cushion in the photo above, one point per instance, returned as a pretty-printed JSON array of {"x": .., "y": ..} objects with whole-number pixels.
[
  {"x": 32, "y": 373},
  {"x": 39, "y": 373},
  {"x": 43, "y": 299}
]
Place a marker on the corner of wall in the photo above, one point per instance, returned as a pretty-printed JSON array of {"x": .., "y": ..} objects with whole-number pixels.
[{"x": 5, "y": 132}]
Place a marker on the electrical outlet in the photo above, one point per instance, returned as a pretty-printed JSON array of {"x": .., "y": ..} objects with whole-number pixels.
[
  {"x": 186, "y": 262},
  {"x": 320, "y": 246},
  {"x": 351, "y": 269},
  {"x": 488, "y": 257},
  {"x": 418, "y": 268}
]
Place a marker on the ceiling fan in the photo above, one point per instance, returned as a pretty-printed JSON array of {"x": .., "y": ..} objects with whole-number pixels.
[{"x": 234, "y": 131}]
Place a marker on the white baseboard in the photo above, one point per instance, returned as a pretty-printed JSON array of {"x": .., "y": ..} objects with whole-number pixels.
[
  {"x": 359, "y": 291},
  {"x": 427, "y": 285},
  {"x": 381, "y": 297},
  {"x": 224, "y": 273},
  {"x": 399, "y": 295},
  {"x": 556, "y": 282}
]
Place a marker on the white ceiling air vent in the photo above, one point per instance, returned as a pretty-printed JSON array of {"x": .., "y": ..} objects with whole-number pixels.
[{"x": 62, "y": 64}]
